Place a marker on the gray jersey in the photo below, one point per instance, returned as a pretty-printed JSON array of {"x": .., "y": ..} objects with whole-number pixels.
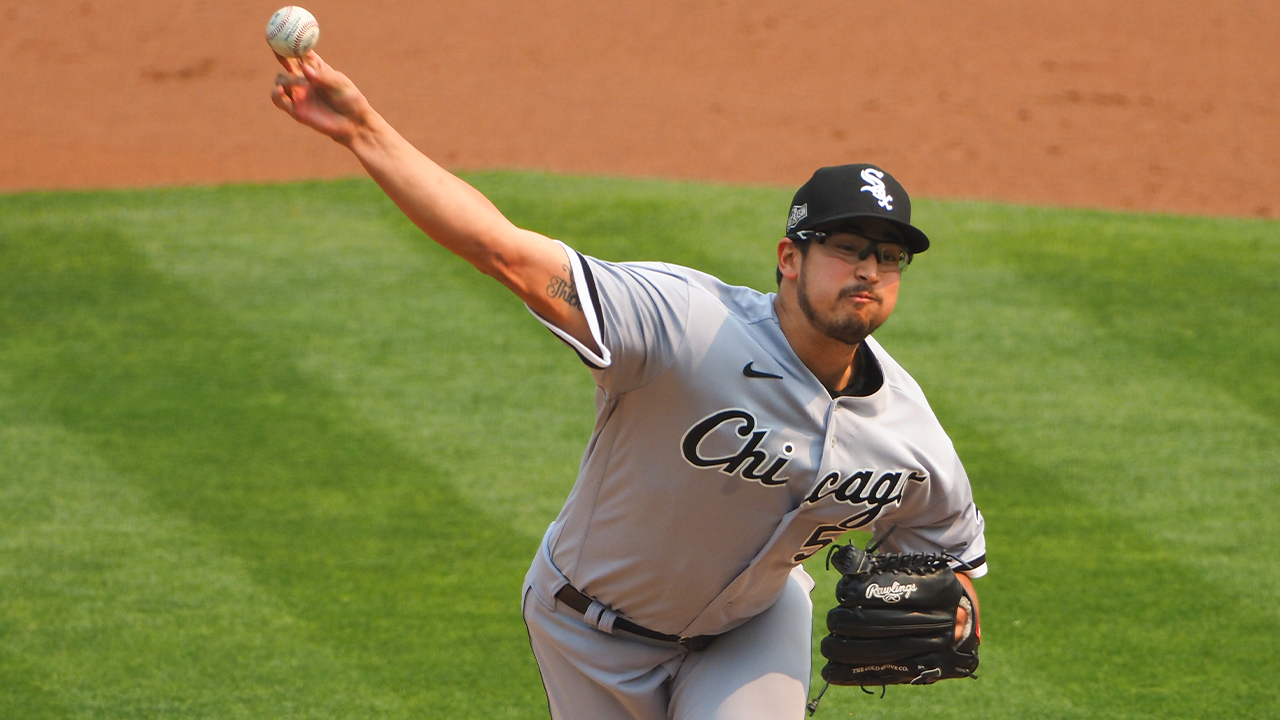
[{"x": 718, "y": 461}]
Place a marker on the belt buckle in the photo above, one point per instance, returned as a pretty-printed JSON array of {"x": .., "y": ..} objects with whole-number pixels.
[{"x": 696, "y": 644}]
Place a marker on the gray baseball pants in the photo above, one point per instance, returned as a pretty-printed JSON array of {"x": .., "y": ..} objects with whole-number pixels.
[{"x": 757, "y": 671}]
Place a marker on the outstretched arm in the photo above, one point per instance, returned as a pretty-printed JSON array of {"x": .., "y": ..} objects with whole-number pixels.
[{"x": 450, "y": 211}]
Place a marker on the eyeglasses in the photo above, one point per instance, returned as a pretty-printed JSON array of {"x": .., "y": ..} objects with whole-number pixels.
[{"x": 889, "y": 258}]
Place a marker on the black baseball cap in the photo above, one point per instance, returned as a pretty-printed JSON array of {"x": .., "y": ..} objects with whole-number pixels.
[{"x": 837, "y": 197}]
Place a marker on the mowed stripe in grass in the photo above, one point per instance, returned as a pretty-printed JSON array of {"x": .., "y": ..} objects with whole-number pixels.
[
  {"x": 418, "y": 344},
  {"x": 414, "y": 592},
  {"x": 112, "y": 608},
  {"x": 1036, "y": 333}
]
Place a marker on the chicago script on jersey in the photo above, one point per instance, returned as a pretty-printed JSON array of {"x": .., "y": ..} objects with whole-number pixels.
[
  {"x": 856, "y": 489},
  {"x": 748, "y": 459}
]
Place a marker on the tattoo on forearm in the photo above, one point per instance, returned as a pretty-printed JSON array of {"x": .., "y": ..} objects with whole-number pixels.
[{"x": 562, "y": 288}]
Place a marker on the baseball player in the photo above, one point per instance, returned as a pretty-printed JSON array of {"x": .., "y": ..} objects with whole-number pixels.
[{"x": 737, "y": 433}]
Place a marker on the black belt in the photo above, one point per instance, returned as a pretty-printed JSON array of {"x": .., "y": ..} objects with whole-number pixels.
[{"x": 571, "y": 596}]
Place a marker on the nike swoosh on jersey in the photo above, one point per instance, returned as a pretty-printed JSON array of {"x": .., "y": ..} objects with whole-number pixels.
[{"x": 753, "y": 373}]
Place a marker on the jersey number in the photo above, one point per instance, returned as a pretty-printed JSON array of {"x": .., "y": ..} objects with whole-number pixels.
[{"x": 818, "y": 540}]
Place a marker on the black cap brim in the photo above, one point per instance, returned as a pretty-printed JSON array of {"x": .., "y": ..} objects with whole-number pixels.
[{"x": 913, "y": 239}]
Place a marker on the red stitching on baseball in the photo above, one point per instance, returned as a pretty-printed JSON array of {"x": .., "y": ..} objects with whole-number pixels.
[
  {"x": 284, "y": 20},
  {"x": 298, "y": 35}
]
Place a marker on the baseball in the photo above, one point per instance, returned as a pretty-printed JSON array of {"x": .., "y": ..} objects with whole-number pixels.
[{"x": 292, "y": 31}]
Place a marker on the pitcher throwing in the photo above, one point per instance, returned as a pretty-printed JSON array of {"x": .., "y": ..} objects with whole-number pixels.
[{"x": 737, "y": 433}]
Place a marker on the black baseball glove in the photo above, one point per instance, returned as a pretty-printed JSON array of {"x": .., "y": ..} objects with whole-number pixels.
[{"x": 896, "y": 621}]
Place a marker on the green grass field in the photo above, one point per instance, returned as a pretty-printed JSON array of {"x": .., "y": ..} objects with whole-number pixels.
[{"x": 267, "y": 452}]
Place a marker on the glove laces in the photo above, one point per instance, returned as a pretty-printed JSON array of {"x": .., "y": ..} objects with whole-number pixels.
[{"x": 812, "y": 706}]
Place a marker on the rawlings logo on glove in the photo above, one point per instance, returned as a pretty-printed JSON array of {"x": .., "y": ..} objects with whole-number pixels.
[
  {"x": 891, "y": 594},
  {"x": 896, "y": 621}
]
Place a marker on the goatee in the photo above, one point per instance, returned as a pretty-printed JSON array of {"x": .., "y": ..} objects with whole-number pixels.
[{"x": 849, "y": 329}]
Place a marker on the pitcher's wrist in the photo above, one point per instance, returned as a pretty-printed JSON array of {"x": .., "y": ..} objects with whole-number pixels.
[{"x": 369, "y": 133}]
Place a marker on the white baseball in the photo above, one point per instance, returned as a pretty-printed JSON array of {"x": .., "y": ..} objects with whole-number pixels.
[{"x": 292, "y": 31}]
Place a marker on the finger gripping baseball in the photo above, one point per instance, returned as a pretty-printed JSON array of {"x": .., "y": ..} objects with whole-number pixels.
[{"x": 896, "y": 621}]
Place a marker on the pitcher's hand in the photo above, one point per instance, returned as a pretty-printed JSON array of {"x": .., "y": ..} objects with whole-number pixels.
[{"x": 321, "y": 98}]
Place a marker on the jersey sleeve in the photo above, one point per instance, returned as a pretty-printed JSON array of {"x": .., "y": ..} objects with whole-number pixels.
[
  {"x": 945, "y": 520},
  {"x": 638, "y": 314}
]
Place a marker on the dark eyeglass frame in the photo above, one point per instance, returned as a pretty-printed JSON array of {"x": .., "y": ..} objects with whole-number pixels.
[{"x": 884, "y": 261}]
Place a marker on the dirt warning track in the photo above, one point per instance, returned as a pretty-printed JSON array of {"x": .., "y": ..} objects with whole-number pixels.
[{"x": 1145, "y": 105}]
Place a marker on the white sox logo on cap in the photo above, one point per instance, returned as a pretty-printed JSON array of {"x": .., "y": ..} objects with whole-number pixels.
[{"x": 875, "y": 186}]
